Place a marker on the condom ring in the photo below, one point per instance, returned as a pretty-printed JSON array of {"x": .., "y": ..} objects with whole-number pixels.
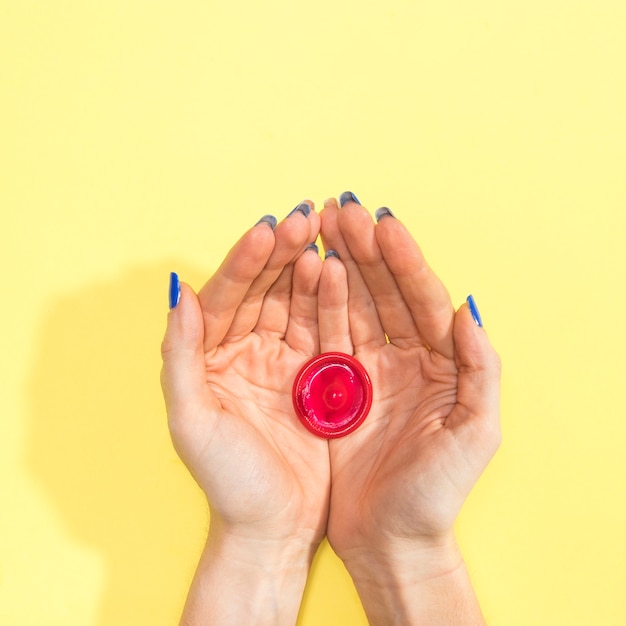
[{"x": 332, "y": 395}]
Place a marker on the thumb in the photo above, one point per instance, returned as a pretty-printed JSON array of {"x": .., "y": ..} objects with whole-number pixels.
[
  {"x": 183, "y": 376},
  {"x": 477, "y": 412}
]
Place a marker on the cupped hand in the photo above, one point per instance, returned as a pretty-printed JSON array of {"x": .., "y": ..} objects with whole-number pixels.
[
  {"x": 230, "y": 355},
  {"x": 400, "y": 480}
]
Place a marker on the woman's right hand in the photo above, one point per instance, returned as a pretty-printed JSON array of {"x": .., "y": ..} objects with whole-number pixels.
[{"x": 230, "y": 355}]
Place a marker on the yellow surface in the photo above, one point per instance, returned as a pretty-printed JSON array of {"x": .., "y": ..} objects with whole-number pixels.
[{"x": 140, "y": 136}]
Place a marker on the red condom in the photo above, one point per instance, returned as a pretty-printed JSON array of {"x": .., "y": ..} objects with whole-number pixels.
[{"x": 332, "y": 394}]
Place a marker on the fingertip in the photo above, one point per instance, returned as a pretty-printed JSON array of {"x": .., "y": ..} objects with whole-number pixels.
[
  {"x": 471, "y": 303},
  {"x": 465, "y": 328},
  {"x": 392, "y": 232},
  {"x": 472, "y": 346},
  {"x": 333, "y": 290},
  {"x": 383, "y": 211},
  {"x": 174, "y": 290},
  {"x": 300, "y": 227},
  {"x": 184, "y": 320},
  {"x": 330, "y": 266},
  {"x": 357, "y": 229},
  {"x": 329, "y": 228},
  {"x": 315, "y": 225},
  {"x": 268, "y": 219},
  {"x": 310, "y": 203},
  {"x": 477, "y": 413},
  {"x": 308, "y": 264},
  {"x": 303, "y": 208},
  {"x": 257, "y": 237},
  {"x": 182, "y": 374},
  {"x": 347, "y": 197},
  {"x": 328, "y": 215},
  {"x": 333, "y": 266}
]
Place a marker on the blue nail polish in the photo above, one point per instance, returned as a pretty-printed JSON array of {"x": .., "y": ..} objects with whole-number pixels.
[
  {"x": 312, "y": 246},
  {"x": 303, "y": 208},
  {"x": 474, "y": 310},
  {"x": 331, "y": 253},
  {"x": 174, "y": 291},
  {"x": 347, "y": 196},
  {"x": 383, "y": 212},
  {"x": 270, "y": 220}
]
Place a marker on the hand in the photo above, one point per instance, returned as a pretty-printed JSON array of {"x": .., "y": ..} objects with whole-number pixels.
[
  {"x": 399, "y": 481},
  {"x": 230, "y": 356}
]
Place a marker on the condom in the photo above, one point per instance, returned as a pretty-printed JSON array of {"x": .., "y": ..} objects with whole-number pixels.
[{"x": 332, "y": 395}]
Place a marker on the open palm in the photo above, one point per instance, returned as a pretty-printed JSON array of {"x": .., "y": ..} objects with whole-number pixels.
[
  {"x": 405, "y": 473},
  {"x": 230, "y": 356}
]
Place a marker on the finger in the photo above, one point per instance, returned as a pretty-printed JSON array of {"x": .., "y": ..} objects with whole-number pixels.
[
  {"x": 302, "y": 328},
  {"x": 334, "y": 324},
  {"x": 357, "y": 228},
  {"x": 223, "y": 294},
  {"x": 365, "y": 326},
  {"x": 292, "y": 235},
  {"x": 183, "y": 376},
  {"x": 476, "y": 415},
  {"x": 424, "y": 293},
  {"x": 274, "y": 312}
]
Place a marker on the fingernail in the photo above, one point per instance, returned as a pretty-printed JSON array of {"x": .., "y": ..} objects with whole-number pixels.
[
  {"x": 312, "y": 246},
  {"x": 331, "y": 253},
  {"x": 474, "y": 310},
  {"x": 174, "y": 291},
  {"x": 270, "y": 220},
  {"x": 347, "y": 196},
  {"x": 303, "y": 208},
  {"x": 383, "y": 212}
]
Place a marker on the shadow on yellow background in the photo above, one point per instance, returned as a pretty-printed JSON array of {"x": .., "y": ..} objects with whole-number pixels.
[{"x": 99, "y": 446}]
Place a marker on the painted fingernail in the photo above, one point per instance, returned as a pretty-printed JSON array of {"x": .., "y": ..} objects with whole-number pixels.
[
  {"x": 174, "y": 291},
  {"x": 347, "y": 196},
  {"x": 312, "y": 246},
  {"x": 331, "y": 253},
  {"x": 383, "y": 212},
  {"x": 270, "y": 220},
  {"x": 474, "y": 310},
  {"x": 303, "y": 208}
]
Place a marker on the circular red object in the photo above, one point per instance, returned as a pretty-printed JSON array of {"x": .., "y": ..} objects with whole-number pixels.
[{"x": 332, "y": 394}]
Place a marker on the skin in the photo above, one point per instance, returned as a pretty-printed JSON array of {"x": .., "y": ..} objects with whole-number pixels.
[
  {"x": 230, "y": 355},
  {"x": 399, "y": 481}
]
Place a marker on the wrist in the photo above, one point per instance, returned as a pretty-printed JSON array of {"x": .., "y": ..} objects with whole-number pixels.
[
  {"x": 245, "y": 579},
  {"x": 412, "y": 582},
  {"x": 403, "y": 562},
  {"x": 269, "y": 552}
]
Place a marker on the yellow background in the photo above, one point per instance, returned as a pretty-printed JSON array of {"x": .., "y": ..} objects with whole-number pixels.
[{"x": 137, "y": 137}]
